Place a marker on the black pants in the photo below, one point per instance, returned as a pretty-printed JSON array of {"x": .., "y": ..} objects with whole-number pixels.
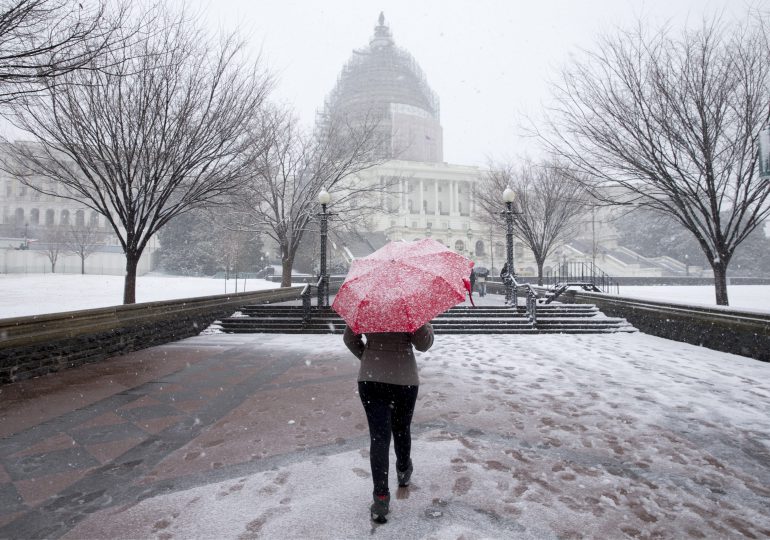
[{"x": 389, "y": 408}]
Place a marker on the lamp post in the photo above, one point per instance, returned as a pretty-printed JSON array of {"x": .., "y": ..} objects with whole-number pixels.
[
  {"x": 508, "y": 196},
  {"x": 323, "y": 289},
  {"x": 686, "y": 265}
]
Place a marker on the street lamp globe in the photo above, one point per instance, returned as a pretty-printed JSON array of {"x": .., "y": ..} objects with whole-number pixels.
[
  {"x": 324, "y": 197},
  {"x": 509, "y": 195}
]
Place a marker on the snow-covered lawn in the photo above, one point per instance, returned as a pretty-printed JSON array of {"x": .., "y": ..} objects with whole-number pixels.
[
  {"x": 751, "y": 297},
  {"x": 33, "y": 294}
]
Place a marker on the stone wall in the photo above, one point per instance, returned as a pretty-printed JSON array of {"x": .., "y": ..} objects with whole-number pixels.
[
  {"x": 36, "y": 345},
  {"x": 723, "y": 329}
]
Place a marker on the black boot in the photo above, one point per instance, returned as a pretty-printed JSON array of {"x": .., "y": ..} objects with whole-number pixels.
[
  {"x": 380, "y": 508},
  {"x": 405, "y": 476}
]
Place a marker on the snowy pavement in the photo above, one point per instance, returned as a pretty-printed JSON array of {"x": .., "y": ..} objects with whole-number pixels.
[{"x": 263, "y": 436}]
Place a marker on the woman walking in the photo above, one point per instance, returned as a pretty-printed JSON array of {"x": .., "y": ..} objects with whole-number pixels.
[{"x": 387, "y": 386}]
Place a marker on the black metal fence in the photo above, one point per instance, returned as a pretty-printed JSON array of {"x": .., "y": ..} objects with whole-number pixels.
[{"x": 582, "y": 272}]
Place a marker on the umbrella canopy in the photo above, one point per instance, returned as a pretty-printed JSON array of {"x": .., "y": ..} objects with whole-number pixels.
[
  {"x": 482, "y": 271},
  {"x": 401, "y": 286}
]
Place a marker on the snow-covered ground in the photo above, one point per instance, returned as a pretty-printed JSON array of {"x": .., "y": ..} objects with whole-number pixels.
[
  {"x": 750, "y": 297},
  {"x": 34, "y": 294}
]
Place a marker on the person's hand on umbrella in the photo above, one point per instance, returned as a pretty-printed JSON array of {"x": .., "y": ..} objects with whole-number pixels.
[{"x": 468, "y": 288}]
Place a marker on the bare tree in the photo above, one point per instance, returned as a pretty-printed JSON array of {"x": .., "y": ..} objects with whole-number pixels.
[
  {"x": 163, "y": 131},
  {"x": 53, "y": 243},
  {"x": 280, "y": 199},
  {"x": 42, "y": 39},
  {"x": 83, "y": 241},
  {"x": 671, "y": 121},
  {"x": 549, "y": 204}
]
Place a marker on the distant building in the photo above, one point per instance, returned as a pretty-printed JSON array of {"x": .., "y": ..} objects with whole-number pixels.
[{"x": 32, "y": 223}]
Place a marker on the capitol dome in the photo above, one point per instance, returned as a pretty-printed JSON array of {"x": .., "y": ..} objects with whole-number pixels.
[{"x": 385, "y": 81}]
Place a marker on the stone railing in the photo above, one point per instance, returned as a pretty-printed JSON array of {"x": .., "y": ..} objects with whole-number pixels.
[
  {"x": 724, "y": 329},
  {"x": 40, "y": 344}
]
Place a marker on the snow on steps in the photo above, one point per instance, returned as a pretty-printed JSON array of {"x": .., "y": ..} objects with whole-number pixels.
[{"x": 551, "y": 319}]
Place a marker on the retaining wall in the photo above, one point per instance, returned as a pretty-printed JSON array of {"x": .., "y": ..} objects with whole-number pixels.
[
  {"x": 40, "y": 344},
  {"x": 735, "y": 331}
]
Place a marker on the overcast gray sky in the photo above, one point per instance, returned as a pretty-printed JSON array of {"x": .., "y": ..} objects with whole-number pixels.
[{"x": 488, "y": 60}]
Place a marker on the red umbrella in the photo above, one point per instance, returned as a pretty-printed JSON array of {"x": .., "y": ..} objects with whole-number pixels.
[{"x": 401, "y": 286}]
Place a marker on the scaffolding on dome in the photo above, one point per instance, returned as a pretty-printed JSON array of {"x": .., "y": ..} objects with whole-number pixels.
[
  {"x": 356, "y": 77},
  {"x": 384, "y": 81}
]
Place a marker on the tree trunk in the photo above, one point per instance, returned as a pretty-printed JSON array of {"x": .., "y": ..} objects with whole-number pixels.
[
  {"x": 82, "y": 266},
  {"x": 129, "y": 286},
  {"x": 286, "y": 264},
  {"x": 540, "y": 265},
  {"x": 720, "y": 283}
]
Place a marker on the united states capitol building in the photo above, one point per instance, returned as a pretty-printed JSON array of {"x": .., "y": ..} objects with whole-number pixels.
[{"x": 431, "y": 198}]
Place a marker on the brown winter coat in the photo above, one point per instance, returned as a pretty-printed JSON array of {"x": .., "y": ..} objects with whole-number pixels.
[{"x": 389, "y": 356}]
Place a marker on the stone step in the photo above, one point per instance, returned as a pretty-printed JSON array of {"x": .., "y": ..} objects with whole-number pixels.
[
  {"x": 465, "y": 319},
  {"x": 439, "y": 328},
  {"x": 551, "y": 318},
  {"x": 284, "y": 307},
  {"x": 545, "y": 307},
  {"x": 454, "y": 312},
  {"x": 442, "y": 331}
]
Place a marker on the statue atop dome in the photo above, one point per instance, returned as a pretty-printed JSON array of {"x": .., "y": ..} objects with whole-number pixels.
[{"x": 382, "y": 36}]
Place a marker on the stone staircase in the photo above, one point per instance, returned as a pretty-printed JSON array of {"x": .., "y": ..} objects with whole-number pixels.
[{"x": 551, "y": 319}]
